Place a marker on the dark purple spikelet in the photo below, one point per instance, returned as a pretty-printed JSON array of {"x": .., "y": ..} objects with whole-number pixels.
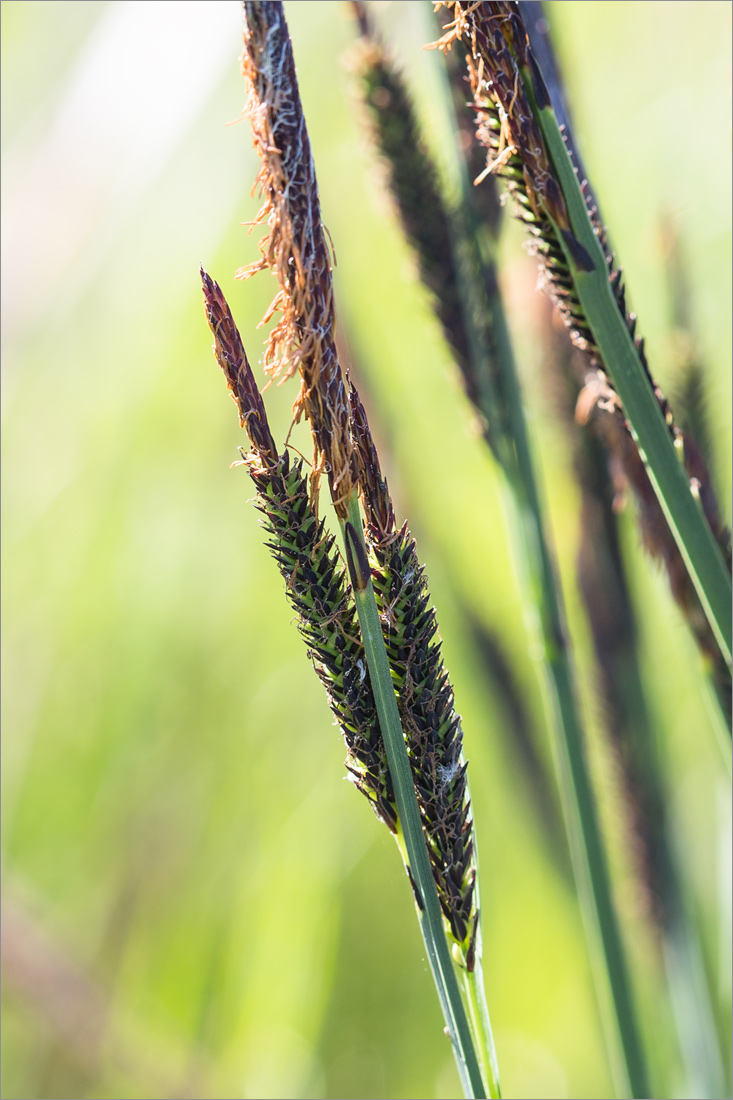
[
  {"x": 307, "y": 557},
  {"x": 317, "y": 588},
  {"x": 424, "y": 694}
]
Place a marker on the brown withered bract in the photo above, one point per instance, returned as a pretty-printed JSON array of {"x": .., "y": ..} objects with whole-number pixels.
[
  {"x": 232, "y": 358},
  {"x": 357, "y": 559},
  {"x": 296, "y": 246}
]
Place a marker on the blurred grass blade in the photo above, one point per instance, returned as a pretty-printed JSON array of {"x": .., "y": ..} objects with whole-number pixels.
[{"x": 630, "y": 730}]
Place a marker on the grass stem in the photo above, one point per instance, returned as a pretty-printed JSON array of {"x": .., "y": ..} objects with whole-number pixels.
[
  {"x": 465, "y": 1044},
  {"x": 526, "y": 515},
  {"x": 586, "y": 845}
]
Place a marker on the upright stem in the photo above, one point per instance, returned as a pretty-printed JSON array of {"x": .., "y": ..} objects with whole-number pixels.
[
  {"x": 431, "y": 922},
  {"x": 589, "y": 862},
  {"x": 474, "y": 995},
  {"x": 587, "y": 850}
]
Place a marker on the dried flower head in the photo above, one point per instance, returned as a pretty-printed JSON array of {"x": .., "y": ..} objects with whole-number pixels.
[
  {"x": 232, "y": 358},
  {"x": 499, "y": 50},
  {"x": 296, "y": 245}
]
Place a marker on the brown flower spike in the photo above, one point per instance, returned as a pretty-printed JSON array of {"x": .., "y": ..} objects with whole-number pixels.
[
  {"x": 296, "y": 246},
  {"x": 496, "y": 36},
  {"x": 232, "y": 358},
  {"x": 304, "y": 339}
]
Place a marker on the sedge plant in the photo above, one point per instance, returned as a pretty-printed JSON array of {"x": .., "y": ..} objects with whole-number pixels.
[
  {"x": 374, "y": 643},
  {"x": 364, "y": 610}
]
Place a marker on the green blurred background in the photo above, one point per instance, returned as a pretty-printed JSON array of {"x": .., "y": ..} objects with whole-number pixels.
[{"x": 196, "y": 903}]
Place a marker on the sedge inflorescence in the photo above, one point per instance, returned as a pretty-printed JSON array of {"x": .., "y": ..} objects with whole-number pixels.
[
  {"x": 296, "y": 249},
  {"x": 296, "y": 246},
  {"x": 306, "y": 555}
]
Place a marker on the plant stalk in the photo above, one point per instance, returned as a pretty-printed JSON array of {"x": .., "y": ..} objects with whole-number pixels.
[
  {"x": 465, "y": 1042},
  {"x": 586, "y": 845},
  {"x": 525, "y": 511}
]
